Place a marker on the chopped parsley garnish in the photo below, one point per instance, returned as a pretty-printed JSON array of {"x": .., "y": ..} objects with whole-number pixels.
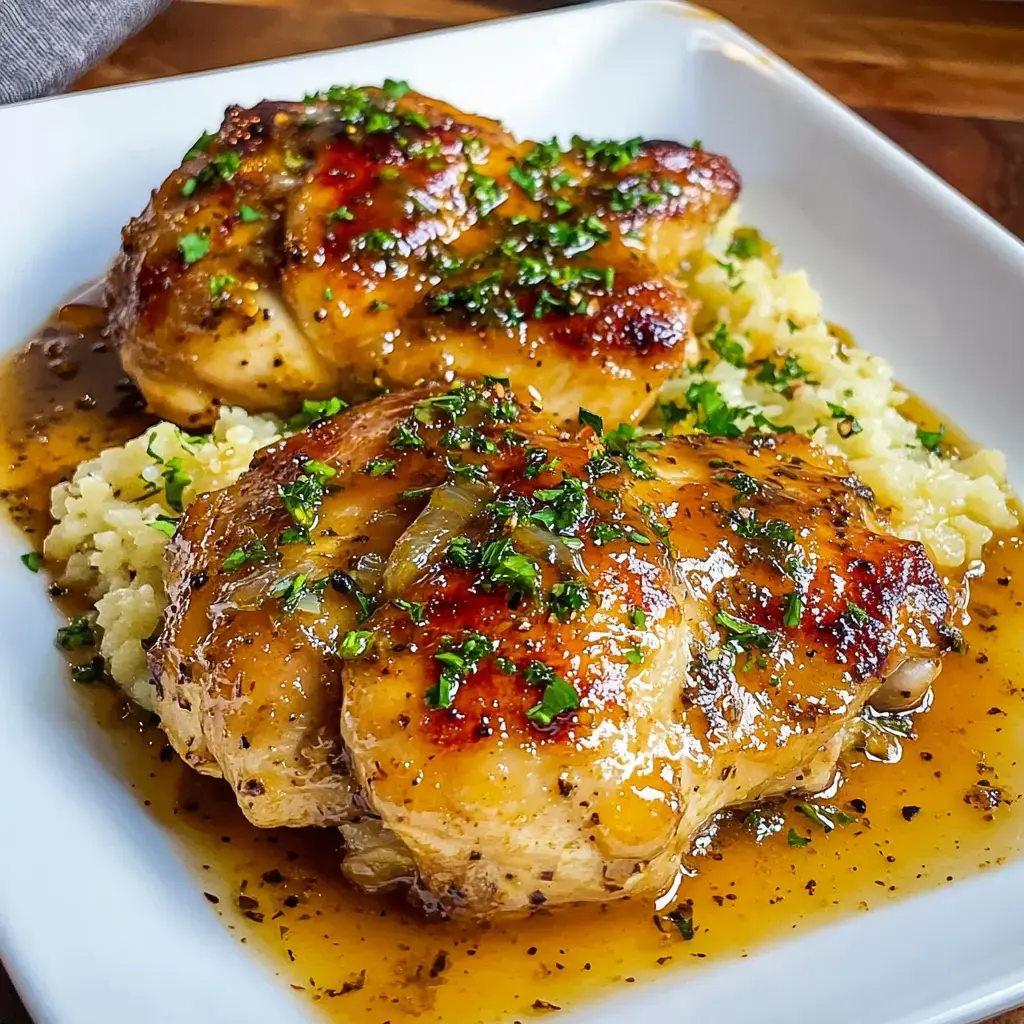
[
  {"x": 167, "y": 525},
  {"x": 748, "y": 526},
  {"x": 414, "y": 609},
  {"x": 792, "y": 325},
  {"x": 378, "y": 306},
  {"x": 33, "y": 561},
  {"x": 714, "y": 415},
  {"x": 380, "y": 466},
  {"x": 340, "y": 213},
  {"x": 795, "y": 839},
  {"x": 302, "y": 497},
  {"x": 77, "y": 633},
  {"x": 91, "y": 671},
  {"x": 635, "y": 656},
  {"x": 626, "y": 442},
  {"x": 856, "y": 612},
  {"x": 462, "y": 552},
  {"x": 567, "y": 599},
  {"x": 683, "y": 923},
  {"x": 248, "y": 215},
  {"x": 536, "y": 462},
  {"x": 746, "y": 244},
  {"x": 193, "y": 247},
  {"x": 299, "y": 593},
  {"x": 742, "y": 483},
  {"x": 728, "y": 349},
  {"x": 603, "y": 533},
  {"x": 251, "y": 551},
  {"x": 931, "y": 440},
  {"x": 406, "y": 436},
  {"x": 564, "y": 508},
  {"x": 816, "y": 815},
  {"x": 743, "y": 635},
  {"x": 175, "y": 482},
  {"x": 355, "y": 643},
  {"x": 638, "y": 617},
  {"x": 792, "y": 610},
  {"x": 780, "y": 374},
  {"x": 199, "y": 146},
  {"x": 485, "y": 192},
  {"x": 220, "y": 283},
  {"x": 592, "y": 420},
  {"x": 506, "y": 566},
  {"x": 848, "y": 425},
  {"x": 607, "y": 155},
  {"x": 315, "y": 410},
  {"x": 458, "y": 663},
  {"x": 558, "y": 697},
  {"x": 343, "y": 583},
  {"x": 394, "y": 90}
]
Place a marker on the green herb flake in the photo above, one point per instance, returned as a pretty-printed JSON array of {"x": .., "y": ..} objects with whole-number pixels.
[
  {"x": 199, "y": 146},
  {"x": 77, "y": 633},
  {"x": 356, "y": 643},
  {"x": 315, "y": 410},
  {"x": 248, "y": 215},
  {"x": 746, "y": 244},
  {"x": 856, "y": 612},
  {"x": 931, "y": 440},
  {"x": 32, "y": 560},
  {"x": 380, "y": 467},
  {"x": 414, "y": 609},
  {"x": 793, "y": 610},
  {"x": 394, "y": 90},
  {"x": 728, "y": 349},
  {"x": 167, "y": 525},
  {"x": 559, "y": 696},
  {"x": 221, "y": 283},
  {"x": 252, "y": 551},
  {"x": 91, "y": 671},
  {"x": 744, "y": 636},
  {"x": 817, "y": 815},
  {"x": 193, "y": 247},
  {"x": 795, "y": 839},
  {"x": 340, "y": 213},
  {"x": 458, "y": 662},
  {"x": 568, "y": 599},
  {"x": 592, "y": 420},
  {"x": 638, "y": 617}
]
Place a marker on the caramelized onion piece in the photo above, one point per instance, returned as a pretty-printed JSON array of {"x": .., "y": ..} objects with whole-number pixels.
[
  {"x": 906, "y": 686},
  {"x": 450, "y": 508}
]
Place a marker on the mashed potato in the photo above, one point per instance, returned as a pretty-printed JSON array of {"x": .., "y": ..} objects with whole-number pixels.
[
  {"x": 770, "y": 360},
  {"x": 794, "y": 372}
]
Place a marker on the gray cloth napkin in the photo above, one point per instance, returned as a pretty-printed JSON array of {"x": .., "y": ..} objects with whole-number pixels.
[{"x": 46, "y": 44}]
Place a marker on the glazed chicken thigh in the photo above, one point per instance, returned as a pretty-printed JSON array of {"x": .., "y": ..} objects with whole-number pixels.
[
  {"x": 523, "y": 665},
  {"x": 371, "y": 238}
]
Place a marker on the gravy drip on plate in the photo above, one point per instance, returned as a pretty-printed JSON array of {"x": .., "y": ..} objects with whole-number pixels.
[{"x": 949, "y": 808}]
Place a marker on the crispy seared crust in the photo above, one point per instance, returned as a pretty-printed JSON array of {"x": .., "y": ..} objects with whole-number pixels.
[
  {"x": 741, "y": 603},
  {"x": 339, "y": 259}
]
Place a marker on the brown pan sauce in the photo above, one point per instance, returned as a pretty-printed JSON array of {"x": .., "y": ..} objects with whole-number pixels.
[{"x": 949, "y": 808}]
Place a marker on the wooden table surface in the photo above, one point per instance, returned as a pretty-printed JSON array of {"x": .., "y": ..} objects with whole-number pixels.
[{"x": 943, "y": 78}]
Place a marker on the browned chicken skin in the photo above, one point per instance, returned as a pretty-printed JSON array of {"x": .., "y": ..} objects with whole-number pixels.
[
  {"x": 527, "y": 666},
  {"x": 368, "y": 239}
]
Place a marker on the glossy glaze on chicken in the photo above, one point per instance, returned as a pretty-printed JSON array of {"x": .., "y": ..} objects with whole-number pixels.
[
  {"x": 365, "y": 239},
  {"x": 524, "y": 665}
]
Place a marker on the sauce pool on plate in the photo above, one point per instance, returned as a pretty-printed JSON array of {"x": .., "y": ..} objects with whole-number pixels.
[{"x": 911, "y": 812}]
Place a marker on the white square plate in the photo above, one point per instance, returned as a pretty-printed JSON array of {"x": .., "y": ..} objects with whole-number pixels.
[{"x": 99, "y": 920}]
